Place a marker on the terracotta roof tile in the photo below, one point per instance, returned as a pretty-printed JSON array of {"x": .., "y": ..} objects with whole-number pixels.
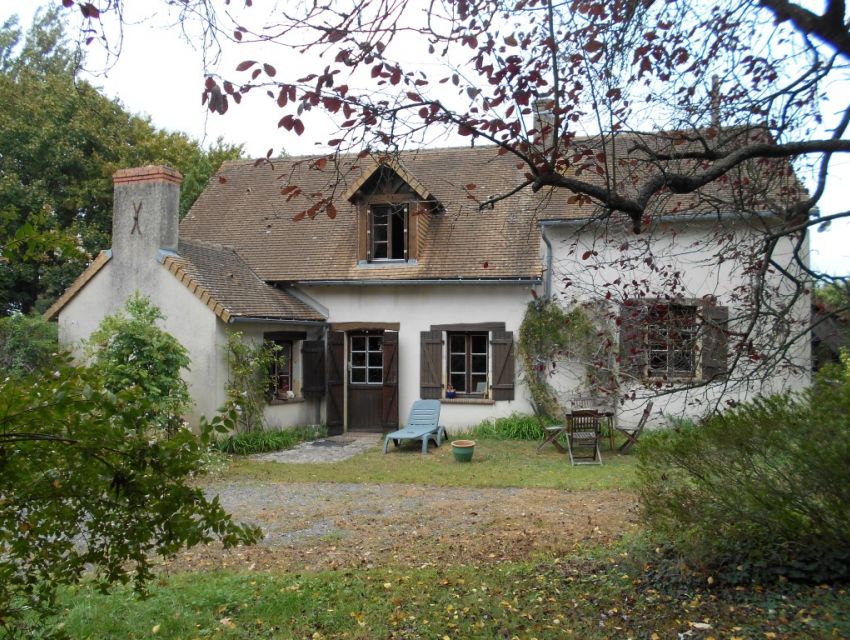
[
  {"x": 218, "y": 277},
  {"x": 247, "y": 211}
]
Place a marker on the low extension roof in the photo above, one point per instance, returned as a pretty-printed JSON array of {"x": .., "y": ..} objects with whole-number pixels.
[
  {"x": 220, "y": 279},
  {"x": 244, "y": 207}
]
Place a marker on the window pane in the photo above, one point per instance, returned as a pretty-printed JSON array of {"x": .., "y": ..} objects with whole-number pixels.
[
  {"x": 376, "y": 359},
  {"x": 358, "y": 359},
  {"x": 479, "y": 364},
  {"x": 376, "y": 343},
  {"x": 457, "y": 364},
  {"x": 379, "y": 233},
  {"x": 458, "y": 381},
  {"x": 376, "y": 376},
  {"x": 479, "y": 343},
  {"x": 479, "y": 384},
  {"x": 457, "y": 343},
  {"x": 379, "y": 251},
  {"x": 358, "y": 343},
  {"x": 398, "y": 236},
  {"x": 358, "y": 376}
]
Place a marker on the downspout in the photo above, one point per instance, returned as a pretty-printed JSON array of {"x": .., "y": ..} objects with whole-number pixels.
[{"x": 547, "y": 282}]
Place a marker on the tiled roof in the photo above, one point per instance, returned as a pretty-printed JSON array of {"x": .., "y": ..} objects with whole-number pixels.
[
  {"x": 756, "y": 186},
  {"x": 97, "y": 264},
  {"x": 220, "y": 279},
  {"x": 243, "y": 207}
]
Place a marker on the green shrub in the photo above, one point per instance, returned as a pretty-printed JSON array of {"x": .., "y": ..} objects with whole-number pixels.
[
  {"x": 264, "y": 441},
  {"x": 129, "y": 349},
  {"x": 27, "y": 344},
  {"x": 761, "y": 491},
  {"x": 517, "y": 426}
]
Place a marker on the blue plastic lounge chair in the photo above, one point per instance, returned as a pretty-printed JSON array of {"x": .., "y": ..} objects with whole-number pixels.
[{"x": 422, "y": 424}]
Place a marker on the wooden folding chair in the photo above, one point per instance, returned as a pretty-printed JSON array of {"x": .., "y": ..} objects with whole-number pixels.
[
  {"x": 584, "y": 430},
  {"x": 632, "y": 435}
]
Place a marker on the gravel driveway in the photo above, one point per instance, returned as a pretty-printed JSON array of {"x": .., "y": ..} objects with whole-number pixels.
[{"x": 327, "y": 526}]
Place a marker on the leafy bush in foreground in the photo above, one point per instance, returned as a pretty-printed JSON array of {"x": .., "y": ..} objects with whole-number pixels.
[
  {"x": 761, "y": 490},
  {"x": 89, "y": 486},
  {"x": 129, "y": 349},
  {"x": 264, "y": 441}
]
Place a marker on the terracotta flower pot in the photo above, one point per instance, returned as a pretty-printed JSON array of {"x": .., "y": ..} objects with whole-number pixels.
[{"x": 462, "y": 450}]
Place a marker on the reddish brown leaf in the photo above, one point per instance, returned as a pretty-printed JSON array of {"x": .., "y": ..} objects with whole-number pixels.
[
  {"x": 89, "y": 11},
  {"x": 335, "y": 142},
  {"x": 320, "y": 163},
  {"x": 270, "y": 70},
  {"x": 245, "y": 65},
  {"x": 335, "y": 35},
  {"x": 511, "y": 41},
  {"x": 331, "y": 211},
  {"x": 593, "y": 46},
  {"x": 299, "y": 127},
  {"x": 471, "y": 186},
  {"x": 299, "y": 216},
  {"x": 222, "y": 179},
  {"x": 237, "y": 35},
  {"x": 586, "y": 255}
]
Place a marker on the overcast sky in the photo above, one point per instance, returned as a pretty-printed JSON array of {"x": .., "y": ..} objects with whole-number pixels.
[{"x": 161, "y": 75}]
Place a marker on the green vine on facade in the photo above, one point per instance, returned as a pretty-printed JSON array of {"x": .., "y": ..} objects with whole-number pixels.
[
  {"x": 549, "y": 332},
  {"x": 248, "y": 384}
]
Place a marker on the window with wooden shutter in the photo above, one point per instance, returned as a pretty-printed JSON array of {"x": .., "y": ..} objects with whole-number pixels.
[
  {"x": 715, "y": 341},
  {"x": 389, "y": 397},
  {"x": 336, "y": 382},
  {"x": 665, "y": 340},
  {"x": 503, "y": 365},
  {"x": 430, "y": 365},
  {"x": 313, "y": 368}
]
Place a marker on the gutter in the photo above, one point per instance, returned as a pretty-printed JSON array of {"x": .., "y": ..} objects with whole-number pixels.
[
  {"x": 672, "y": 217},
  {"x": 256, "y": 320},
  {"x": 408, "y": 283}
]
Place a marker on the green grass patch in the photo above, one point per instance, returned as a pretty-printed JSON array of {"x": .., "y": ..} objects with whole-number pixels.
[
  {"x": 517, "y": 426},
  {"x": 592, "y": 596},
  {"x": 495, "y": 463},
  {"x": 265, "y": 441}
]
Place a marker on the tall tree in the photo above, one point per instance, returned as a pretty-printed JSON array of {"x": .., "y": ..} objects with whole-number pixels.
[{"x": 60, "y": 141}]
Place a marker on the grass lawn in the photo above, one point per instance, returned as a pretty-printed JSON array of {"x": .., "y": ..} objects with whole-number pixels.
[
  {"x": 596, "y": 596},
  {"x": 496, "y": 463}
]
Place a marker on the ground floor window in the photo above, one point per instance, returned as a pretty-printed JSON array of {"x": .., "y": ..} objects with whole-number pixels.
[
  {"x": 672, "y": 331},
  {"x": 281, "y": 369},
  {"x": 468, "y": 363}
]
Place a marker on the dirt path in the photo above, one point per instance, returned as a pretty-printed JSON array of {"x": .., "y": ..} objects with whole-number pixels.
[{"x": 327, "y": 526}]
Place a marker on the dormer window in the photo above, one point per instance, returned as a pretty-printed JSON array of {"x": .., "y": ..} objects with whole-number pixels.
[{"x": 388, "y": 232}]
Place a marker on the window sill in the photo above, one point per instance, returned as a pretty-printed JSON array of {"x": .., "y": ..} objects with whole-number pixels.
[
  {"x": 278, "y": 403},
  {"x": 384, "y": 264},
  {"x": 467, "y": 401}
]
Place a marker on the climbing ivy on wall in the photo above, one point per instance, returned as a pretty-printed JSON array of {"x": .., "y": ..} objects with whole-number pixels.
[{"x": 548, "y": 333}]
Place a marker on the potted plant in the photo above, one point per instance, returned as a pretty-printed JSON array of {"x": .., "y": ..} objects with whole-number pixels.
[{"x": 462, "y": 450}]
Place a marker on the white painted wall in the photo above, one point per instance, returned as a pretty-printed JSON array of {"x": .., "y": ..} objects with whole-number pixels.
[
  {"x": 191, "y": 322},
  {"x": 710, "y": 259},
  {"x": 416, "y": 308},
  {"x": 297, "y": 412}
]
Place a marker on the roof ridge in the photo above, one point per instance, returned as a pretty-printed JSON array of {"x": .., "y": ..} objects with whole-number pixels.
[{"x": 209, "y": 245}]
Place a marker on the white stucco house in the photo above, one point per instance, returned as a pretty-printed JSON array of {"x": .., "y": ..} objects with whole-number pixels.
[{"x": 395, "y": 286}]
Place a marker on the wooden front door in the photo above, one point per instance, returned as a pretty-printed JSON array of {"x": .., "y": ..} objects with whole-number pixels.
[
  {"x": 365, "y": 380},
  {"x": 372, "y": 403}
]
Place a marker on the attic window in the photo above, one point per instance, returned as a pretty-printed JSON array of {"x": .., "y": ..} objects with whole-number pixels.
[{"x": 388, "y": 232}]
